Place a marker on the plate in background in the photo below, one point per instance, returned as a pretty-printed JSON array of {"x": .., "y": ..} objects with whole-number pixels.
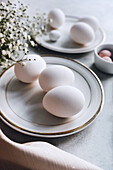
[
  {"x": 21, "y": 104},
  {"x": 65, "y": 44}
]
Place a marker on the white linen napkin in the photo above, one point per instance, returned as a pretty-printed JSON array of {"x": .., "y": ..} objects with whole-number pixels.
[{"x": 38, "y": 156}]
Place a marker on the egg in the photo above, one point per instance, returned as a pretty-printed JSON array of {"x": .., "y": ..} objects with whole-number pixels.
[
  {"x": 92, "y": 21},
  {"x": 54, "y": 35},
  {"x": 82, "y": 33},
  {"x": 56, "y": 75},
  {"x": 107, "y": 59},
  {"x": 104, "y": 53},
  {"x": 29, "y": 69},
  {"x": 56, "y": 18},
  {"x": 64, "y": 101}
]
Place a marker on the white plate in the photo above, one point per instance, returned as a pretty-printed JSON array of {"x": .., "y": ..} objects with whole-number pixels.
[
  {"x": 65, "y": 44},
  {"x": 21, "y": 106}
]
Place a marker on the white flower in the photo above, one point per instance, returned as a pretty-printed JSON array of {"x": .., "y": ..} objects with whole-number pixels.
[
  {"x": 16, "y": 48},
  {"x": 25, "y": 50},
  {"x": 14, "y": 28},
  {"x": 50, "y": 20},
  {"x": 28, "y": 37},
  {"x": 15, "y": 36},
  {"x": 18, "y": 42},
  {"x": 13, "y": 43},
  {"x": 21, "y": 30},
  {"x": 1, "y": 35},
  {"x": 2, "y": 40},
  {"x": 11, "y": 36},
  {"x": 25, "y": 45},
  {"x": 6, "y": 60},
  {"x": 4, "y": 52},
  {"x": 12, "y": 58},
  {"x": 25, "y": 35},
  {"x": 3, "y": 4},
  {"x": 10, "y": 21},
  {"x": 42, "y": 27},
  {"x": 10, "y": 46},
  {"x": 7, "y": 8},
  {"x": 8, "y": 25},
  {"x": 32, "y": 43}
]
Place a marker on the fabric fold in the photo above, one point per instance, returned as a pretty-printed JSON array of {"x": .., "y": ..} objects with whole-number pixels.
[{"x": 39, "y": 156}]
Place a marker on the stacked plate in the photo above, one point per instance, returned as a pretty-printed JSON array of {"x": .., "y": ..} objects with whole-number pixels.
[{"x": 21, "y": 104}]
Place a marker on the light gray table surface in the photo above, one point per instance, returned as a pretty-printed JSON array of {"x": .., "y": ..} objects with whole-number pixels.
[{"x": 95, "y": 143}]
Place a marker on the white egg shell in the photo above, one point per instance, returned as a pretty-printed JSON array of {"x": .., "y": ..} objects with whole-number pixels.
[
  {"x": 56, "y": 75},
  {"x": 54, "y": 35},
  {"x": 64, "y": 101},
  {"x": 92, "y": 21},
  {"x": 82, "y": 33},
  {"x": 29, "y": 70},
  {"x": 56, "y": 18}
]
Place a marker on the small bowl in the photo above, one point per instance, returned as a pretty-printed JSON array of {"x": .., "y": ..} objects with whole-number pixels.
[{"x": 102, "y": 64}]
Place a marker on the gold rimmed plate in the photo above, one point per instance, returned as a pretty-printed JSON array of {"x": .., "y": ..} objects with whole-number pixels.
[
  {"x": 65, "y": 44},
  {"x": 21, "y": 104}
]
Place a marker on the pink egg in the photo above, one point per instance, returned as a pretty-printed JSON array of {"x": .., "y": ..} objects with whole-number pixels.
[
  {"x": 107, "y": 59},
  {"x": 105, "y": 53}
]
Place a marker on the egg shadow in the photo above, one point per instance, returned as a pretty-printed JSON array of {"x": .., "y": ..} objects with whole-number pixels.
[
  {"x": 32, "y": 96},
  {"x": 38, "y": 115},
  {"x": 16, "y": 84},
  {"x": 69, "y": 43}
]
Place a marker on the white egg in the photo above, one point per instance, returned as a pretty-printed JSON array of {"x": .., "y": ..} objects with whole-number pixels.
[
  {"x": 28, "y": 70},
  {"x": 56, "y": 18},
  {"x": 64, "y": 101},
  {"x": 82, "y": 33},
  {"x": 92, "y": 21},
  {"x": 56, "y": 75},
  {"x": 54, "y": 35}
]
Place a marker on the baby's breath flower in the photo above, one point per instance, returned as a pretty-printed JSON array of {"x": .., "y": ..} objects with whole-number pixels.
[
  {"x": 32, "y": 43},
  {"x": 10, "y": 46},
  {"x": 25, "y": 45},
  {"x": 21, "y": 29},
  {"x": 14, "y": 28},
  {"x": 10, "y": 21},
  {"x": 17, "y": 31},
  {"x": 18, "y": 42},
  {"x": 42, "y": 27},
  {"x": 25, "y": 50},
  {"x": 16, "y": 48},
  {"x": 50, "y": 20},
  {"x": 3, "y": 4},
  {"x": 2, "y": 40},
  {"x": 13, "y": 58},
  {"x": 29, "y": 37},
  {"x": 7, "y": 24},
  {"x": 1, "y": 35},
  {"x": 4, "y": 52},
  {"x": 7, "y": 8},
  {"x": 25, "y": 35}
]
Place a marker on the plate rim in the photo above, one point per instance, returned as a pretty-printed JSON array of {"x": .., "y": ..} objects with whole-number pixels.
[{"x": 67, "y": 132}]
